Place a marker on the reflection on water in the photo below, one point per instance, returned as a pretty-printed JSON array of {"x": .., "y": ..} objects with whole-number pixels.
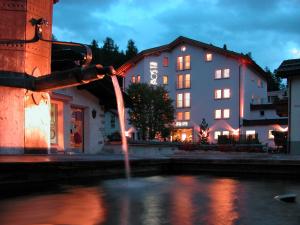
[
  {"x": 178, "y": 200},
  {"x": 78, "y": 206},
  {"x": 223, "y": 194}
]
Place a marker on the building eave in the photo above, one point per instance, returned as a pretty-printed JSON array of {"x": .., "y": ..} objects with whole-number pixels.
[{"x": 289, "y": 68}]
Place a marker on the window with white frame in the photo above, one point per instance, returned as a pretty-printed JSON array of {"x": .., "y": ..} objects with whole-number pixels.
[
  {"x": 183, "y": 62},
  {"x": 226, "y": 113},
  {"x": 270, "y": 135},
  {"x": 259, "y": 83},
  {"x": 187, "y": 115},
  {"x": 165, "y": 61},
  {"x": 218, "y": 114},
  {"x": 218, "y": 74},
  {"x": 208, "y": 57},
  {"x": 250, "y": 133},
  {"x": 226, "y": 93},
  {"x": 226, "y": 73},
  {"x": 138, "y": 78},
  {"x": 179, "y": 100},
  {"x": 217, "y": 134},
  {"x": 133, "y": 79},
  {"x": 187, "y": 62},
  {"x": 179, "y": 81},
  {"x": 225, "y": 132},
  {"x": 179, "y": 63},
  {"x": 165, "y": 79},
  {"x": 179, "y": 116},
  {"x": 187, "y": 80},
  {"x": 187, "y": 99},
  {"x": 218, "y": 94}
]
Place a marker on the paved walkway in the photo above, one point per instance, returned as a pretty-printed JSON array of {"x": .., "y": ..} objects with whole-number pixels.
[{"x": 210, "y": 155}]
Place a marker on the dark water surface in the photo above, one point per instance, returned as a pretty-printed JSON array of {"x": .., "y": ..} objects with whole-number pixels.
[{"x": 176, "y": 200}]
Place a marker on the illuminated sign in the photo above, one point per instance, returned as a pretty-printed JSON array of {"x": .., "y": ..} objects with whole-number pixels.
[
  {"x": 181, "y": 124},
  {"x": 153, "y": 73}
]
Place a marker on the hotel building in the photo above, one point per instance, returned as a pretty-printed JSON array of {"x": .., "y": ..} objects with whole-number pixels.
[{"x": 227, "y": 89}]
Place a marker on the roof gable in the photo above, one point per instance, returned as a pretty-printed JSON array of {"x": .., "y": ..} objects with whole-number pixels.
[{"x": 244, "y": 59}]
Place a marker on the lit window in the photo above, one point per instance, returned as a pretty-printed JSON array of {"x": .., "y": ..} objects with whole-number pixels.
[
  {"x": 183, "y": 48},
  {"x": 179, "y": 102},
  {"x": 187, "y": 62},
  {"x": 187, "y": 81},
  {"x": 138, "y": 78},
  {"x": 180, "y": 63},
  {"x": 226, "y": 93},
  {"x": 218, "y": 74},
  {"x": 165, "y": 61},
  {"x": 187, "y": 115},
  {"x": 259, "y": 83},
  {"x": 218, "y": 114},
  {"x": 180, "y": 81},
  {"x": 217, "y": 134},
  {"x": 270, "y": 135},
  {"x": 218, "y": 94},
  {"x": 250, "y": 133},
  {"x": 226, "y": 113},
  {"x": 208, "y": 57},
  {"x": 226, "y": 73},
  {"x": 179, "y": 116},
  {"x": 165, "y": 79},
  {"x": 133, "y": 79},
  {"x": 225, "y": 132},
  {"x": 187, "y": 99}
]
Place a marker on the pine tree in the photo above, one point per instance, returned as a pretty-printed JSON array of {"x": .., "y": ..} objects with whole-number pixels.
[{"x": 131, "y": 50}]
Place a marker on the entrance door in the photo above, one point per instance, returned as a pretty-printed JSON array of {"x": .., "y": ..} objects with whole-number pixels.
[
  {"x": 76, "y": 130},
  {"x": 182, "y": 135}
]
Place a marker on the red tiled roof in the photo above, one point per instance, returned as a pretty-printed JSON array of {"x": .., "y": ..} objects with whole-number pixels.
[{"x": 245, "y": 59}]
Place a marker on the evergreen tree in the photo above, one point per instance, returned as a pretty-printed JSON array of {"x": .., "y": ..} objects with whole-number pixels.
[
  {"x": 273, "y": 81},
  {"x": 152, "y": 112},
  {"x": 131, "y": 50},
  {"x": 203, "y": 132}
]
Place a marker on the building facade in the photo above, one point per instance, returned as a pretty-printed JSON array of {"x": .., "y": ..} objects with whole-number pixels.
[
  {"x": 77, "y": 121},
  {"x": 207, "y": 82},
  {"x": 290, "y": 69}
]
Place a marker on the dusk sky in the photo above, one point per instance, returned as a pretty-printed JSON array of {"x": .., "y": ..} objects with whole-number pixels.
[{"x": 269, "y": 29}]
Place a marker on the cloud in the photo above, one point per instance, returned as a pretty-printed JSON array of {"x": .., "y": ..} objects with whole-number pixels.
[{"x": 267, "y": 28}]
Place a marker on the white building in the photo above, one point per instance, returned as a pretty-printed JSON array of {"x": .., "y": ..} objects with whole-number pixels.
[
  {"x": 208, "y": 82},
  {"x": 77, "y": 121},
  {"x": 290, "y": 69}
]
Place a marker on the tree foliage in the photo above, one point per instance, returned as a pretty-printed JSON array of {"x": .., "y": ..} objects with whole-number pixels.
[
  {"x": 131, "y": 50},
  {"x": 273, "y": 81},
  {"x": 203, "y": 132},
  {"x": 109, "y": 54},
  {"x": 152, "y": 111}
]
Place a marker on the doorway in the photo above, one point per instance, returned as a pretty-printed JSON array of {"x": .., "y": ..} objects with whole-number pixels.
[{"x": 77, "y": 129}]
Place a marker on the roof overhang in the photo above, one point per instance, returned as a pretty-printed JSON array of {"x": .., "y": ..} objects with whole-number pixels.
[{"x": 289, "y": 68}]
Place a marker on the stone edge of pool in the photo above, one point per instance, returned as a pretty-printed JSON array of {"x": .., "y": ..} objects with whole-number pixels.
[{"x": 12, "y": 173}]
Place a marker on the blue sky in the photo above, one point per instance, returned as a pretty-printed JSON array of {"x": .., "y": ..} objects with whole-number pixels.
[{"x": 269, "y": 29}]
